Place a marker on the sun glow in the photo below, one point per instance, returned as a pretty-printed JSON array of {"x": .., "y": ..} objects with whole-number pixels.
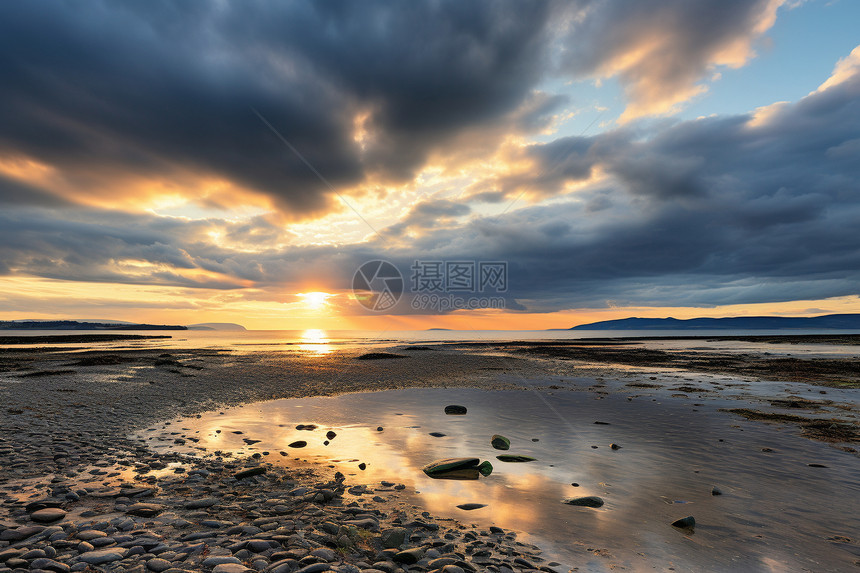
[{"x": 315, "y": 300}]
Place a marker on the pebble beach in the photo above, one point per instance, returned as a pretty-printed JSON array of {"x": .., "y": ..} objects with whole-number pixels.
[{"x": 82, "y": 488}]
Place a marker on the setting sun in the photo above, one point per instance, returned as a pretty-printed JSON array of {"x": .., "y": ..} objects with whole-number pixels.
[{"x": 315, "y": 300}]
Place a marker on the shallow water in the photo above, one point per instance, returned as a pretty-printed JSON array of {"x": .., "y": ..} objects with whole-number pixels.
[
  {"x": 319, "y": 342},
  {"x": 776, "y": 513}
]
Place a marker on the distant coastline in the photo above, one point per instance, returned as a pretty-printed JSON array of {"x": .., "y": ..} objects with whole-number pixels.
[
  {"x": 81, "y": 325},
  {"x": 829, "y": 321}
]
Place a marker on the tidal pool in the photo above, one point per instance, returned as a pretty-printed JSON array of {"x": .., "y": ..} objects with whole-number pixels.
[{"x": 776, "y": 512}]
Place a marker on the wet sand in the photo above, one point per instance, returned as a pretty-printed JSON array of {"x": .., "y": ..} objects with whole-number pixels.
[
  {"x": 837, "y": 372},
  {"x": 67, "y": 409}
]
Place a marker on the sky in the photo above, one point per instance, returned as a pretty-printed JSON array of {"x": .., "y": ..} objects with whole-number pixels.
[{"x": 180, "y": 163}]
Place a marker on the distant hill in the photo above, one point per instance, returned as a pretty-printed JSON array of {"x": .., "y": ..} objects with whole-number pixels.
[
  {"x": 217, "y": 326},
  {"x": 81, "y": 325},
  {"x": 831, "y": 321}
]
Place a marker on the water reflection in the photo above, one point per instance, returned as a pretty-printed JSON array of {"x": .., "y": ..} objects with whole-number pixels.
[
  {"x": 671, "y": 454},
  {"x": 315, "y": 342}
]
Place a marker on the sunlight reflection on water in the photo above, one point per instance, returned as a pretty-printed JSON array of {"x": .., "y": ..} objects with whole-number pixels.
[{"x": 671, "y": 456}]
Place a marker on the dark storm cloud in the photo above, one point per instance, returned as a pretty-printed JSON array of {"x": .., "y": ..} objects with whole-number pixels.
[
  {"x": 151, "y": 88},
  {"x": 17, "y": 193},
  {"x": 726, "y": 210},
  {"x": 751, "y": 208},
  {"x": 714, "y": 211}
]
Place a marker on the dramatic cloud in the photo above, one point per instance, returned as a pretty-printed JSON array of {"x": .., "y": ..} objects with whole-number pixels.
[
  {"x": 131, "y": 154},
  {"x": 146, "y": 95},
  {"x": 661, "y": 51}
]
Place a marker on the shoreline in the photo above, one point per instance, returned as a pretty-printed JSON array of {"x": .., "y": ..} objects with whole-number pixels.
[{"x": 81, "y": 418}]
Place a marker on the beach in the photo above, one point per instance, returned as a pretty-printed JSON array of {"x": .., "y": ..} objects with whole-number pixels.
[{"x": 143, "y": 455}]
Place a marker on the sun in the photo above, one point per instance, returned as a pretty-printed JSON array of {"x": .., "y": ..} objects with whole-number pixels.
[{"x": 315, "y": 300}]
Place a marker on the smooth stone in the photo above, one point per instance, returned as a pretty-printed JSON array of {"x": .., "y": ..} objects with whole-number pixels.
[
  {"x": 458, "y": 468},
  {"x": 614, "y": 446},
  {"x": 441, "y": 562},
  {"x": 392, "y": 538},
  {"x": 455, "y": 410},
  {"x": 49, "y": 565},
  {"x": 315, "y": 568},
  {"x": 201, "y": 503},
  {"x": 90, "y": 534},
  {"x": 158, "y": 565},
  {"x": 100, "y": 556},
  {"x": 48, "y": 515},
  {"x": 219, "y": 560},
  {"x": 42, "y": 504},
  {"x": 437, "y": 434},
  {"x": 330, "y": 435},
  {"x": 250, "y": 472},
  {"x": 500, "y": 442},
  {"x": 587, "y": 501},
  {"x": 409, "y": 556},
  {"x": 298, "y": 444},
  {"x": 471, "y": 506},
  {"x": 259, "y": 545},
  {"x": 716, "y": 491},
  {"x": 231, "y": 568},
  {"x": 688, "y": 522},
  {"x": 144, "y": 509},
  {"x": 20, "y": 533},
  {"x": 511, "y": 458},
  {"x": 324, "y": 553}
]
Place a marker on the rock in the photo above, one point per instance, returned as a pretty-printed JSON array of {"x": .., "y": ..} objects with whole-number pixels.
[
  {"x": 308, "y": 427},
  {"x": 587, "y": 501},
  {"x": 231, "y": 568},
  {"x": 437, "y": 434},
  {"x": 315, "y": 568},
  {"x": 615, "y": 446},
  {"x": 362, "y": 466},
  {"x": 455, "y": 410},
  {"x": 379, "y": 356},
  {"x": 324, "y": 553},
  {"x": 298, "y": 444},
  {"x": 42, "y": 504},
  {"x": 500, "y": 442},
  {"x": 688, "y": 522},
  {"x": 510, "y": 458},
  {"x": 716, "y": 491},
  {"x": 100, "y": 556},
  {"x": 330, "y": 435},
  {"x": 90, "y": 534},
  {"x": 158, "y": 565},
  {"x": 219, "y": 560},
  {"x": 471, "y": 506},
  {"x": 20, "y": 533},
  {"x": 457, "y": 468},
  {"x": 201, "y": 503},
  {"x": 393, "y": 538},
  {"x": 144, "y": 509},
  {"x": 409, "y": 556},
  {"x": 250, "y": 472},
  {"x": 49, "y": 565},
  {"x": 48, "y": 515}
]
